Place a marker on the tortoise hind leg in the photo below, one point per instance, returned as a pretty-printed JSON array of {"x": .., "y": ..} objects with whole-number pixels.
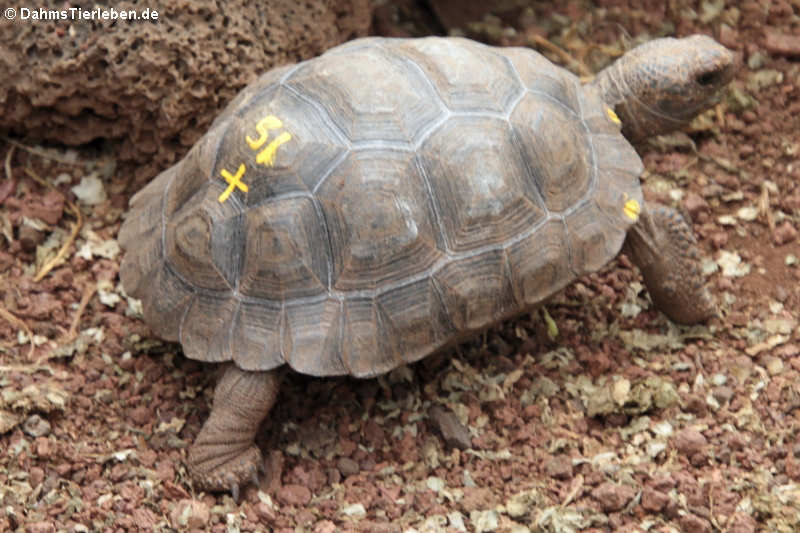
[
  {"x": 224, "y": 455},
  {"x": 663, "y": 246}
]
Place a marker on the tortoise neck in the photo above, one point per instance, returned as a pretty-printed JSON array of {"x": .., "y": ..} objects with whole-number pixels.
[
  {"x": 608, "y": 82},
  {"x": 618, "y": 91}
]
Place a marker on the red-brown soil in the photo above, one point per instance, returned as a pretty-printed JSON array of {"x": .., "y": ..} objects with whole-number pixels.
[{"x": 610, "y": 418}]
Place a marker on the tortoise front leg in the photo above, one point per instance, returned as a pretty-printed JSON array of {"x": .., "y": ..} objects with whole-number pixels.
[
  {"x": 663, "y": 246},
  {"x": 224, "y": 455}
]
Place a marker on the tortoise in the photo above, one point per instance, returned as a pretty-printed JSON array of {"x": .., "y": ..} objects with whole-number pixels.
[{"x": 363, "y": 209}]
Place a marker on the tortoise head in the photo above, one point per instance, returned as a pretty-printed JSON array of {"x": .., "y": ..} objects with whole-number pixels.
[{"x": 661, "y": 85}]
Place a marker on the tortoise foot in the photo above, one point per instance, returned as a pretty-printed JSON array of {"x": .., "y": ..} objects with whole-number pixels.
[
  {"x": 224, "y": 455},
  {"x": 220, "y": 467}
]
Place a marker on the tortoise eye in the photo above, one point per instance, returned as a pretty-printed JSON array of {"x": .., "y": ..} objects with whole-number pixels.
[{"x": 708, "y": 78}]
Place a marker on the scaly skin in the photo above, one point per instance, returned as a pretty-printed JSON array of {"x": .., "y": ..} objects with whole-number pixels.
[
  {"x": 224, "y": 455},
  {"x": 657, "y": 88},
  {"x": 663, "y": 246},
  {"x": 663, "y": 84}
]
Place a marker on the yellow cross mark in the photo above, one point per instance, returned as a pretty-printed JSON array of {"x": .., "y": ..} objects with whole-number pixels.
[
  {"x": 264, "y": 157},
  {"x": 234, "y": 181},
  {"x": 613, "y": 116},
  {"x": 632, "y": 209}
]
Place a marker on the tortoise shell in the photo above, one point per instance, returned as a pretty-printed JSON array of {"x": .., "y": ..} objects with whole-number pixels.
[{"x": 358, "y": 211}]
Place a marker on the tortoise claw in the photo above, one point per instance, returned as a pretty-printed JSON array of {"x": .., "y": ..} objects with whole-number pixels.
[{"x": 231, "y": 473}]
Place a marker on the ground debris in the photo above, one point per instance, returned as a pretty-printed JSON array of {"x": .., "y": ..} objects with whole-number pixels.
[
  {"x": 608, "y": 396},
  {"x": 600, "y": 415},
  {"x": 42, "y": 398},
  {"x": 8, "y": 421},
  {"x": 782, "y": 43},
  {"x": 455, "y": 434},
  {"x": 612, "y": 497}
]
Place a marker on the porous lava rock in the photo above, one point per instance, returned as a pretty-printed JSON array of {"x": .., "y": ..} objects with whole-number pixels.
[{"x": 153, "y": 86}]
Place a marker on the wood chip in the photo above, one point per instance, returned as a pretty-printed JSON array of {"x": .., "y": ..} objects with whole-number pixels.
[
  {"x": 782, "y": 43},
  {"x": 453, "y": 432}
]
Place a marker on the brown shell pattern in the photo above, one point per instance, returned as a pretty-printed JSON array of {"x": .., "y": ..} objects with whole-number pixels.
[{"x": 399, "y": 194}]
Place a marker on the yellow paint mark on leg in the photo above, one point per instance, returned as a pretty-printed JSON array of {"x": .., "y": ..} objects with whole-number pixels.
[
  {"x": 632, "y": 209},
  {"x": 270, "y": 122},
  {"x": 267, "y": 155},
  {"x": 613, "y": 116},
  {"x": 234, "y": 181}
]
